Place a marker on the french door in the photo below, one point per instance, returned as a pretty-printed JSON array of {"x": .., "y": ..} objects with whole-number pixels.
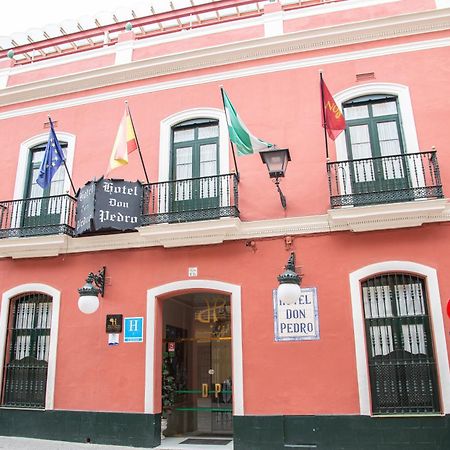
[
  {"x": 377, "y": 167},
  {"x": 195, "y": 165},
  {"x": 42, "y": 206}
]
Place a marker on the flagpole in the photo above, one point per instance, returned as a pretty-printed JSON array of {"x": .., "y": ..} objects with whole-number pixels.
[
  {"x": 64, "y": 159},
  {"x": 231, "y": 142},
  {"x": 324, "y": 117},
  {"x": 137, "y": 142}
]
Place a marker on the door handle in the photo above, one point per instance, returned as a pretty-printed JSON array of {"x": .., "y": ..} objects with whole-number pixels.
[
  {"x": 205, "y": 389},
  {"x": 217, "y": 389}
]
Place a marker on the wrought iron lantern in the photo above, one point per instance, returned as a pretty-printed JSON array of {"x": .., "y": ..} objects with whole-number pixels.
[
  {"x": 88, "y": 302},
  {"x": 276, "y": 161},
  {"x": 289, "y": 288}
]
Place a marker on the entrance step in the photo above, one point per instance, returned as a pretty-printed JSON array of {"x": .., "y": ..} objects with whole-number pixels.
[{"x": 195, "y": 443}]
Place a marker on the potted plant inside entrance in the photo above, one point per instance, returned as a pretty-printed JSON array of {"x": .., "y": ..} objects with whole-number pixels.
[{"x": 168, "y": 392}]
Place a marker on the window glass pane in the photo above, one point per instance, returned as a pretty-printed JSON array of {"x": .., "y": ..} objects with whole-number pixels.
[
  {"x": 208, "y": 132},
  {"x": 37, "y": 156},
  {"x": 377, "y": 302},
  {"x": 356, "y": 112},
  {"x": 409, "y": 299},
  {"x": 25, "y": 315},
  {"x": 360, "y": 142},
  {"x": 183, "y": 135},
  {"x": 22, "y": 347},
  {"x": 390, "y": 146},
  {"x": 414, "y": 339},
  {"x": 184, "y": 163},
  {"x": 381, "y": 339},
  {"x": 383, "y": 109}
]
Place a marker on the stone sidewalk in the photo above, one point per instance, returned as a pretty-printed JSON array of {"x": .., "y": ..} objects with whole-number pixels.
[
  {"x": 41, "y": 444},
  {"x": 14, "y": 443}
]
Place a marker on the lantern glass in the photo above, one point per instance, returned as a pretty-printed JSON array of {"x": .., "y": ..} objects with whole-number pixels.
[
  {"x": 88, "y": 304},
  {"x": 288, "y": 293},
  {"x": 276, "y": 161}
]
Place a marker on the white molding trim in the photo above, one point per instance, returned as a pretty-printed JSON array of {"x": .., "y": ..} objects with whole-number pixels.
[
  {"x": 206, "y": 232},
  {"x": 237, "y": 363},
  {"x": 194, "y": 113},
  {"x": 124, "y": 52},
  {"x": 22, "y": 163},
  {"x": 442, "y": 4},
  {"x": 437, "y": 324},
  {"x": 4, "y": 313},
  {"x": 406, "y": 112},
  {"x": 226, "y": 54},
  {"x": 220, "y": 77},
  {"x": 199, "y": 32}
]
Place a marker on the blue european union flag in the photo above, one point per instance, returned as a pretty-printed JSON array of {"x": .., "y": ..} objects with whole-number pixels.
[{"x": 53, "y": 158}]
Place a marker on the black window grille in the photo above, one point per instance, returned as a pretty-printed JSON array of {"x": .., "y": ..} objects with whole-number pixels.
[
  {"x": 402, "y": 368},
  {"x": 28, "y": 341}
]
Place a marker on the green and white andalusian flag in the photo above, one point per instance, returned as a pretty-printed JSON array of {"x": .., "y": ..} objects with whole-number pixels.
[{"x": 245, "y": 142}]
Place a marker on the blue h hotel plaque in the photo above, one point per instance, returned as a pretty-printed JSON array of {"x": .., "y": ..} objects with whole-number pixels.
[
  {"x": 133, "y": 329},
  {"x": 108, "y": 205}
]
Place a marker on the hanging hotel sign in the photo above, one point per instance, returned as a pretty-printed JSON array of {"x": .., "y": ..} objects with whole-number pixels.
[
  {"x": 108, "y": 205},
  {"x": 298, "y": 321}
]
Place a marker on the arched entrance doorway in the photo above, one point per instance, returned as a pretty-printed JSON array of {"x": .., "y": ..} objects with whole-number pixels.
[
  {"x": 186, "y": 290},
  {"x": 196, "y": 360}
]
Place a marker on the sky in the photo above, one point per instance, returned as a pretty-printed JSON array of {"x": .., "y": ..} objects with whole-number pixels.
[{"x": 21, "y": 15}]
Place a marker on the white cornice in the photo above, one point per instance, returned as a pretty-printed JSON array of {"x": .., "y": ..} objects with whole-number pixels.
[
  {"x": 229, "y": 75},
  {"x": 360, "y": 219},
  {"x": 302, "y": 41}
]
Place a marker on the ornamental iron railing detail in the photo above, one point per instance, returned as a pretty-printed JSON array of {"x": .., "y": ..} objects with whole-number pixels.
[
  {"x": 37, "y": 216},
  {"x": 25, "y": 368},
  {"x": 385, "y": 179},
  {"x": 192, "y": 199}
]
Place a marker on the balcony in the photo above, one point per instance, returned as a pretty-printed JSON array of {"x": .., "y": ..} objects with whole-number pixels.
[
  {"x": 38, "y": 216},
  {"x": 189, "y": 200},
  {"x": 192, "y": 199},
  {"x": 385, "y": 179}
]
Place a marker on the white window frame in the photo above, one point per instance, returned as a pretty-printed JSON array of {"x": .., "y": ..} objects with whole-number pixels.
[
  {"x": 406, "y": 115},
  {"x": 436, "y": 322},
  {"x": 190, "y": 114},
  {"x": 24, "y": 155},
  {"x": 4, "y": 316}
]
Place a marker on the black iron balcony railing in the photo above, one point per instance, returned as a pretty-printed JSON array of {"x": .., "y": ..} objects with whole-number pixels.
[
  {"x": 202, "y": 198},
  {"x": 37, "y": 216},
  {"x": 385, "y": 179}
]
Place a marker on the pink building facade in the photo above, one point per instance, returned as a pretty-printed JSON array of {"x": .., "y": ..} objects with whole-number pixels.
[{"x": 360, "y": 361}]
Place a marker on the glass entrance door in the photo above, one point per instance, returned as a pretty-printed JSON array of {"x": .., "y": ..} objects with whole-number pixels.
[{"x": 198, "y": 355}]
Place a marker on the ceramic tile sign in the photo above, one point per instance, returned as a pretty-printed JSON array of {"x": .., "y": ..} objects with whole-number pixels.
[
  {"x": 133, "y": 330},
  {"x": 298, "y": 321}
]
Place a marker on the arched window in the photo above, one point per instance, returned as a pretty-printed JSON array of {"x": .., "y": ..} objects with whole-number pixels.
[
  {"x": 195, "y": 163},
  {"x": 401, "y": 361},
  {"x": 375, "y": 148},
  {"x": 32, "y": 189},
  {"x": 27, "y": 351}
]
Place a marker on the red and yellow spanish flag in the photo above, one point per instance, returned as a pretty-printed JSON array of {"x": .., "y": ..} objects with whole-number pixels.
[
  {"x": 334, "y": 121},
  {"x": 124, "y": 144}
]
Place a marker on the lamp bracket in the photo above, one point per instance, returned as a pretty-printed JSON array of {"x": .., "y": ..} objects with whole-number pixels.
[
  {"x": 98, "y": 279},
  {"x": 290, "y": 276}
]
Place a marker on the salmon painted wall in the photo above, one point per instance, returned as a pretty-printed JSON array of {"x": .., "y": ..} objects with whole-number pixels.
[
  {"x": 309, "y": 377},
  {"x": 282, "y": 107}
]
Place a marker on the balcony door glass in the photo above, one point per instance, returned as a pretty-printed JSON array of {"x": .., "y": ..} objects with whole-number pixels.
[
  {"x": 42, "y": 206},
  {"x": 195, "y": 165},
  {"x": 377, "y": 167}
]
